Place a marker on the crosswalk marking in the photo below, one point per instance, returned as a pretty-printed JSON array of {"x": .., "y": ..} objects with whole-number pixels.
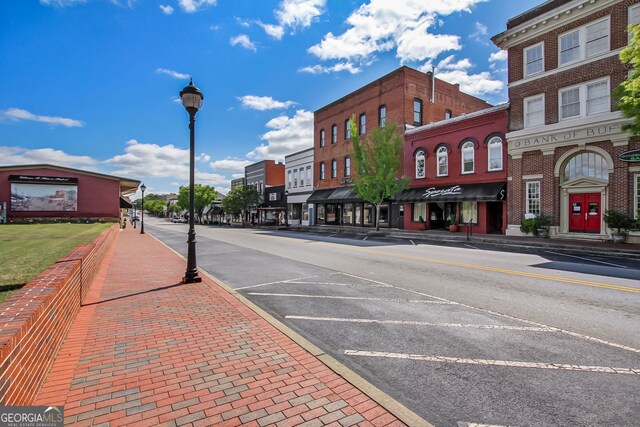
[{"x": 347, "y": 298}]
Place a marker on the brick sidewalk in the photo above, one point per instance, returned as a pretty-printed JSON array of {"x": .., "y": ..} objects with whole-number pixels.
[{"x": 146, "y": 350}]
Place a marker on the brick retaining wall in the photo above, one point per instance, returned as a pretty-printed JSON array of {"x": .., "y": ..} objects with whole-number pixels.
[{"x": 35, "y": 320}]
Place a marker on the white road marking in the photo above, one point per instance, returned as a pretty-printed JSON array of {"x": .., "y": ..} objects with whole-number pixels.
[
  {"x": 470, "y": 246},
  {"x": 466, "y": 424},
  {"x": 412, "y": 242},
  {"x": 489, "y": 362},
  {"x": 338, "y": 284},
  {"x": 365, "y": 238},
  {"x": 416, "y": 323},
  {"x": 347, "y": 298},
  {"x": 274, "y": 283},
  {"x": 587, "y": 259}
]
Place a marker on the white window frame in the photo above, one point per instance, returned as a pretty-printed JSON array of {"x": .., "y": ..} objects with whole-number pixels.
[
  {"x": 582, "y": 42},
  {"x": 636, "y": 195},
  {"x": 421, "y": 157},
  {"x": 469, "y": 208},
  {"x": 419, "y": 210},
  {"x": 295, "y": 178},
  {"x": 527, "y": 191},
  {"x": 630, "y": 20},
  {"x": 465, "y": 148},
  {"x": 308, "y": 176},
  {"x": 442, "y": 152},
  {"x": 347, "y": 166},
  {"x": 322, "y": 137},
  {"x": 334, "y": 133},
  {"x": 583, "y": 98},
  {"x": 362, "y": 127},
  {"x": 288, "y": 179},
  {"x": 525, "y": 107},
  {"x": 524, "y": 59},
  {"x": 301, "y": 176},
  {"x": 494, "y": 141},
  {"x": 334, "y": 169},
  {"x": 322, "y": 171}
]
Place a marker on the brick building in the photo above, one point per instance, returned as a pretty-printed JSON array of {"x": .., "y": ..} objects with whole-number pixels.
[
  {"x": 262, "y": 175},
  {"x": 299, "y": 171},
  {"x": 565, "y": 134},
  {"x": 406, "y": 97},
  {"x": 457, "y": 170}
]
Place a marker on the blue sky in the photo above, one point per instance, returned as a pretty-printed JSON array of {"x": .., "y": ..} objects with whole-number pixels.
[{"x": 93, "y": 84}]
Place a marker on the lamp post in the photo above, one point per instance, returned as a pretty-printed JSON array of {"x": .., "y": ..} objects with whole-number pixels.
[
  {"x": 135, "y": 216},
  {"x": 142, "y": 188},
  {"x": 192, "y": 100}
]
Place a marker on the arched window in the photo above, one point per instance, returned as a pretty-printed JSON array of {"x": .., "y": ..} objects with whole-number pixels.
[
  {"x": 442, "y": 156},
  {"x": 495, "y": 153},
  {"x": 447, "y": 114},
  {"x": 467, "y": 157},
  {"x": 586, "y": 165},
  {"x": 334, "y": 168},
  {"x": 420, "y": 165}
]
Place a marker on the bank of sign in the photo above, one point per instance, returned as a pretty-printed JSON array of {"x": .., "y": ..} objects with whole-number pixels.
[
  {"x": 630, "y": 156},
  {"x": 566, "y": 136}
]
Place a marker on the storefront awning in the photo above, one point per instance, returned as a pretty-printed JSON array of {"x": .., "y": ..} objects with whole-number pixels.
[
  {"x": 342, "y": 194},
  {"x": 124, "y": 204},
  {"x": 486, "y": 192}
]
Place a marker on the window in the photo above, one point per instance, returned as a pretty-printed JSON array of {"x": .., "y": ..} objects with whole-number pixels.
[
  {"x": 301, "y": 172},
  {"x": 334, "y": 134},
  {"x": 321, "y": 137},
  {"x": 347, "y": 166},
  {"x": 585, "y": 100},
  {"x": 419, "y": 211},
  {"x": 636, "y": 194},
  {"x": 417, "y": 112},
  {"x": 334, "y": 168},
  {"x": 533, "y": 198},
  {"x": 534, "y": 59},
  {"x": 382, "y": 116},
  {"x": 467, "y": 157},
  {"x": 534, "y": 111},
  {"x": 634, "y": 16},
  {"x": 447, "y": 114},
  {"x": 587, "y": 164},
  {"x": 288, "y": 179},
  {"x": 363, "y": 124},
  {"x": 585, "y": 42},
  {"x": 322, "y": 170},
  {"x": 495, "y": 153},
  {"x": 295, "y": 178},
  {"x": 347, "y": 129},
  {"x": 308, "y": 175},
  {"x": 469, "y": 212},
  {"x": 420, "y": 167},
  {"x": 443, "y": 161}
]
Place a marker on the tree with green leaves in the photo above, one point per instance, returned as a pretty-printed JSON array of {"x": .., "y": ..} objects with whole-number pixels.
[
  {"x": 240, "y": 200},
  {"x": 203, "y": 196},
  {"x": 628, "y": 92},
  {"x": 377, "y": 162}
]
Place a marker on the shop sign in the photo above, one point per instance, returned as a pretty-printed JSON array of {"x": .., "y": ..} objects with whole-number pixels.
[
  {"x": 630, "y": 156},
  {"x": 603, "y": 130},
  {"x": 43, "y": 179},
  {"x": 433, "y": 192},
  {"x": 346, "y": 181}
]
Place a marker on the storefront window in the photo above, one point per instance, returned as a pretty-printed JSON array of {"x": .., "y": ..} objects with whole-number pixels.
[
  {"x": 469, "y": 212},
  {"x": 368, "y": 214},
  {"x": 358, "y": 215},
  {"x": 305, "y": 212},
  {"x": 384, "y": 214},
  {"x": 321, "y": 218},
  {"x": 419, "y": 211},
  {"x": 636, "y": 197},
  {"x": 347, "y": 217},
  {"x": 331, "y": 214}
]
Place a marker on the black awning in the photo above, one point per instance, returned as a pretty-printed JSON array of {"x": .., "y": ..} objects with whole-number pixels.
[
  {"x": 320, "y": 195},
  {"x": 485, "y": 192},
  {"x": 124, "y": 204},
  {"x": 341, "y": 194}
]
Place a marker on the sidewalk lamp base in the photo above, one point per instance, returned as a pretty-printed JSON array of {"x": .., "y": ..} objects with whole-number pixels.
[{"x": 196, "y": 279}]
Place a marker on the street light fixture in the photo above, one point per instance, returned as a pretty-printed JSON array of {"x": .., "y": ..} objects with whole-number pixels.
[
  {"x": 192, "y": 100},
  {"x": 142, "y": 188}
]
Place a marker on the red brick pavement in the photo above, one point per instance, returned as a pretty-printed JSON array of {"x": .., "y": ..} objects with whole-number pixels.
[{"x": 146, "y": 350}]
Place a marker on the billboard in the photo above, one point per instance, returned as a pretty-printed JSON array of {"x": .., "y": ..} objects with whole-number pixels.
[{"x": 43, "y": 197}]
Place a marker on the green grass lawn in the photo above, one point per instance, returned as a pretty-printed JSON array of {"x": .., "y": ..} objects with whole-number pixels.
[{"x": 26, "y": 250}]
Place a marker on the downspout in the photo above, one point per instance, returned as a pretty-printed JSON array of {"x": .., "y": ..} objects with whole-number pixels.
[{"x": 433, "y": 84}]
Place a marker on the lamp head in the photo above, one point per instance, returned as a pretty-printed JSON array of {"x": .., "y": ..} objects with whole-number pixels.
[
  {"x": 143, "y": 188},
  {"x": 191, "y": 97}
]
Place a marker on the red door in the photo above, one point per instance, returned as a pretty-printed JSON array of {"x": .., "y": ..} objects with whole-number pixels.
[{"x": 584, "y": 212}]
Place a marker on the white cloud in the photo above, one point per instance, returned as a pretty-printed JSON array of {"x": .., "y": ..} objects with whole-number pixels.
[
  {"x": 244, "y": 41},
  {"x": 192, "y": 6},
  {"x": 213, "y": 179},
  {"x": 480, "y": 33},
  {"x": 288, "y": 135},
  {"x": 237, "y": 175},
  {"x": 174, "y": 74},
  {"x": 152, "y": 160},
  {"x": 167, "y": 10},
  {"x": 275, "y": 31},
  {"x": 321, "y": 69},
  {"x": 230, "y": 165},
  {"x": 383, "y": 25},
  {"x": 22, "y": 156},
  {"x": 501, "y": 55},
  {"x": 449, "y": 64},
  {"x": 453, "y": 71},
  {"x": 262, "y": 103},
  {"x": 299, "y": 13},
  {"x": 17, "y": 114},
  {"x": 61, "y": 3}
]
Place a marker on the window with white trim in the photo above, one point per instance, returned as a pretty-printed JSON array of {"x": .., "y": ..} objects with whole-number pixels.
[
  {"x": 469, "y": 212},
  {"x": 534, "y": 59},
  {"x": 288, "y": 179},
  {"x": 295, "y": 178},
  {"x": 308, "y": 175},
  {"x": 301, "y": 176},
  {"x": 419, "y": 211},
  {"x": 467, "y": 157},
  {"x": 532, "y": 198},
  {"x": 417, "y": 112},
  {"x": 334, "y": 168},
  {"x": 321, "y": 137},
  {"x": 382, "y": 116},
  {"x": 495, "y": 153},
  {"x": 534, "y": 111},
  {"x": 321, "y": 171},
  {"x": 347, "y": 166},
  {"x": 334, "y": 134},
  {"x": 636, "y": 195},
  {"x": 588, "y": 99},
  {"x": 363, "y": 124},
  {"x": 347, "y": 129},
  {"x": 585, "y": 42},
  {"x": 420, "y": 165},
  {"x": 634, "y": 14},
  {"x": 442, "y": 157}
]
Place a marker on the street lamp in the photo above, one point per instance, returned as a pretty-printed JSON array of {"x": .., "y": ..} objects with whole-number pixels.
[
  {"x": 142, "y": 188},
  {"x": 135, "y": 216},
  {"x": 192, "y": 100}
]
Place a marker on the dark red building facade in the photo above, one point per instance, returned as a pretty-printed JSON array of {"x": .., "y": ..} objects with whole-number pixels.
[
  {"x": 458, "y": 173},
  {"x": 46, "y": 192}
]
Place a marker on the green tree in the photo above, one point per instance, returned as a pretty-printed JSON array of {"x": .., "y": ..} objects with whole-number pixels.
[
  {"x": 377, "y": 162},
  {"x": 241, "y": 199},
  {"x": 628, "y": 92},
  {"x": 203, "y": 196}
]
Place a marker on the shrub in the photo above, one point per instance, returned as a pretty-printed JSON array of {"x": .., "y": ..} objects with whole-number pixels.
[{"x": 618, "y": 220}]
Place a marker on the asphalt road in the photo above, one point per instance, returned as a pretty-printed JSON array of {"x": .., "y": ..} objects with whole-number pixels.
[{"x": 459, "y": 333}]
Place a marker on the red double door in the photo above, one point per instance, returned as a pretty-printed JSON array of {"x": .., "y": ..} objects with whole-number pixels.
[{"x": 584, "y": 212}]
